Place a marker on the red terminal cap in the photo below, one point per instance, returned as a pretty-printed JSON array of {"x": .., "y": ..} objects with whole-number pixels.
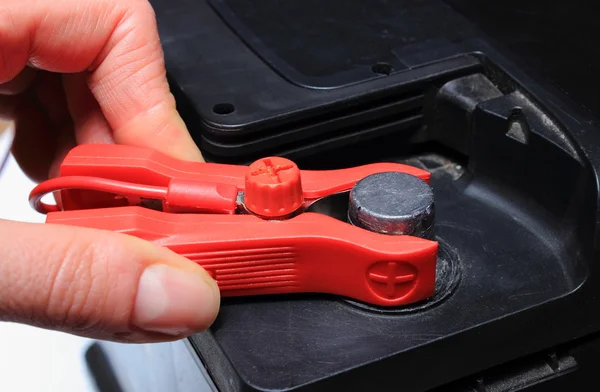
[{"x": 273, "y": 187}]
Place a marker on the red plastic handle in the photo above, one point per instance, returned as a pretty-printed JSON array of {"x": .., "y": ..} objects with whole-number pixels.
[
  {"x": 151, "y": 168},
  {"x": 310, "y": 253}
]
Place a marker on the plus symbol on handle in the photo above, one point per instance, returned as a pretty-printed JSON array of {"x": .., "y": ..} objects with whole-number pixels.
[{"x": 392, "y": 278}]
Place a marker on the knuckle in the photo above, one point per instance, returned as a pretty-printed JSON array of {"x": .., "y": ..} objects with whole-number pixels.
[
  {"x": 78, "y": 281},
  {"x": 78, "y": 285},
  {"x": 69, "y": 279}
]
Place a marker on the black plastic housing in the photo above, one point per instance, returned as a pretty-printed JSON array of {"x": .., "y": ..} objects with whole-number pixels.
[{"x": 515, "y": 171}]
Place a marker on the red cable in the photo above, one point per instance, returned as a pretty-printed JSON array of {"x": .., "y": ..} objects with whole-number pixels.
[{"x": 93, "y": 184}]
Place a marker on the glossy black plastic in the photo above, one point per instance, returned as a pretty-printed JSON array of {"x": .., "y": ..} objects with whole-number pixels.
[{"x": 515, "y": 171}]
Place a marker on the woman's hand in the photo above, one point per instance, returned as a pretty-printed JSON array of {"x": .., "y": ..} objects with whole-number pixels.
[{"x": 75, "y": 72}]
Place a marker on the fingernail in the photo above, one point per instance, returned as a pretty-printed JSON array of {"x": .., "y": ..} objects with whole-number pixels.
[{"x": 174, "y": 302}]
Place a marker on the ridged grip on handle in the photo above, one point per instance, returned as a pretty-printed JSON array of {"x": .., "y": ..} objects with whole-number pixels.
[{"x": 310, "y": 253}]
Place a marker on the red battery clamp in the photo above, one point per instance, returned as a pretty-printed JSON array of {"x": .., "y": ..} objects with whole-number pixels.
[{"x": 246, "y": 225}]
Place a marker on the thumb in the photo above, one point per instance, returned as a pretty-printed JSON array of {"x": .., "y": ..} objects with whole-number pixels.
[{"x": 101, "y": 285}]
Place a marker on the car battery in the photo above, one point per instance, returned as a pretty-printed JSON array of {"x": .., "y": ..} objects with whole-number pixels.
[{"x": 495, "y": 100}]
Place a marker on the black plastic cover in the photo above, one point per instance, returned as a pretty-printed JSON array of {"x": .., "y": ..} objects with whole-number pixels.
[{"x": 514, "y": 159}]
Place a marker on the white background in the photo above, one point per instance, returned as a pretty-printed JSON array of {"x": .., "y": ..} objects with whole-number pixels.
[{"x": 33, "y": 359}]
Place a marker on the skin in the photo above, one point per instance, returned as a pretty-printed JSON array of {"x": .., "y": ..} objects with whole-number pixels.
[{"x": 75, "y": 72}]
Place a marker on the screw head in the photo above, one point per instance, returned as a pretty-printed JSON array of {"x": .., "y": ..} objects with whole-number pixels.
[{"x": 273, "y": 187}]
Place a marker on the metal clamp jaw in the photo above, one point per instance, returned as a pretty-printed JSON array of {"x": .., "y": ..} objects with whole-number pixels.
[{"x": 248, "y": 226}]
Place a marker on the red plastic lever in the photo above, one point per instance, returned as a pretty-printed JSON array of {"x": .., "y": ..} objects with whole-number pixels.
[
  {"x": 309, "y": 253},
  {"x": 150, "y": 168}
]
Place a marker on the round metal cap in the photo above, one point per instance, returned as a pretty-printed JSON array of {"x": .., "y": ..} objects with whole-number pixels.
[{"x": 393, "y": 203}]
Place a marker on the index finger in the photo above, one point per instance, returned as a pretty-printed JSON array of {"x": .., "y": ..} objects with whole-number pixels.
[{"x": 118, "y": 44}]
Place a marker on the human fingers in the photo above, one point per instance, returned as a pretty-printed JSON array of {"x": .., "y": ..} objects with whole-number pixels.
[
  {"x": 66, "y": 112},
  {"x": 117, "y": 44},
  {"x": 101, "y": 285},
  {"x": 43, "y": 124},
  {"x": 90, "y": 124},
  {"x": 34, "y": 144},
  {"x": 19, "y": 83},
  {"x": 48, "y": 120}
]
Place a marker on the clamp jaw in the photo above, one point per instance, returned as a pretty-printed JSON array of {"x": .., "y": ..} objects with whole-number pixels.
[{"x": 248, "y": 226}]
